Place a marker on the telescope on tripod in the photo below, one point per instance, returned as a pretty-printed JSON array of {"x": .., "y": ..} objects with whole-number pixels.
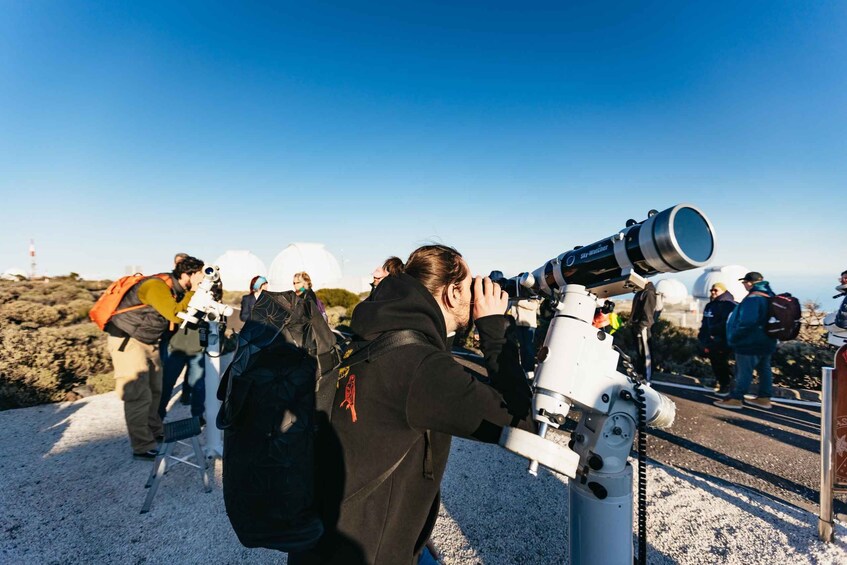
[
  {"x": 577, "y": 367},
  {"x": 203, "y": 304}
]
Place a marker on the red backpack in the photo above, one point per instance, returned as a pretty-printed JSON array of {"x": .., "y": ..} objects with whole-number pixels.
[
  {"x": 784, "y": 315},
  {"x": 107, "y": 305}
]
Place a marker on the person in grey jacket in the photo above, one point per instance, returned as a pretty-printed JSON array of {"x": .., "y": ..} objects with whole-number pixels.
[{"x": 745, "y": 332}]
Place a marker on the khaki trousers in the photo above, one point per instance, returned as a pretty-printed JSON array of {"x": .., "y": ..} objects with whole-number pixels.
[{"x": 138, "y": 382}]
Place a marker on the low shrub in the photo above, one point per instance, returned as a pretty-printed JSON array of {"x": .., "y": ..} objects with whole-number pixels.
[
  {"x": 233, "y": 297},
  {"x": 339, "y": 297},
  {"x": 44, "y": 364},
  {"x": 29, "y": 315}
]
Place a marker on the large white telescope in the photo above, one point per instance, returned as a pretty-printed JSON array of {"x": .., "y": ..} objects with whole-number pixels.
[{"x": 578, "y": 368}]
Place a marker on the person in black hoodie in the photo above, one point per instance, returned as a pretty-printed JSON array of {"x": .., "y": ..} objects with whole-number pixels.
[
  {"x": 712, "y": 335},
  {"x": 394, "y": 416},
  {"x": 640, "y": 321}
]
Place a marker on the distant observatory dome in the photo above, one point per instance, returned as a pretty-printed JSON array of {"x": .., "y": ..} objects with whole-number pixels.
[
  {"x": 313, "y": 258},
  {"x": 728, "y": 275},
  {"x": 14, "y": 274},
  {"x": 238, "y": 267},
  {"x": 672, "y": 291}
]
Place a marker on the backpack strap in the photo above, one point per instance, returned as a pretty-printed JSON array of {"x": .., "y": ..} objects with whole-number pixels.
[
  {"x": 382, "y": 345},
  {"x": 370, "y": 352},
  {"x": 369, "y": 488},
  {"x": 165, "y": 277}
]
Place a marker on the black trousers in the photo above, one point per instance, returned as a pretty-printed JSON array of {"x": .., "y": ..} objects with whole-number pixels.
[
  {"x": 644, "y": 362},
  {"x": 720, "y": 365}
]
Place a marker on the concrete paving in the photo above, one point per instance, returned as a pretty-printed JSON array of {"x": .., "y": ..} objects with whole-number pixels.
[
  {"x": 775, "y": 451},
  {"x": 70, "y": 493}
]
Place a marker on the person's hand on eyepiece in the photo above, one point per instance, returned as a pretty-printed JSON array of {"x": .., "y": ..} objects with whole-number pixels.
[{"x": 489, "y": 298}]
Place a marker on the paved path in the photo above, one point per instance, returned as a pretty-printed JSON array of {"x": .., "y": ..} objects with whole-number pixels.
[
  {"x": 773, "y": 451},
  {"x": 70, "y": 493}
]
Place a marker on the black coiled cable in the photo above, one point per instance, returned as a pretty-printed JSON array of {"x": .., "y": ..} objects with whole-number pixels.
[
  {"x": 642, "y": 474},
  {"x": 641, "y": 404}
]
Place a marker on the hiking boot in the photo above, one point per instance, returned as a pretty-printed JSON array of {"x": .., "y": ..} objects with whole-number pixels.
[
  {"x": 723, "y": 392},
  {"x": 731, "y": 403},
  {"x": 146, "y": 456},
  {"x": 761, "y": 402}
]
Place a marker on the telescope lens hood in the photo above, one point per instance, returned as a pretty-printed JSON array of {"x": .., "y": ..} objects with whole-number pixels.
[{"x": 682, "y": 237}]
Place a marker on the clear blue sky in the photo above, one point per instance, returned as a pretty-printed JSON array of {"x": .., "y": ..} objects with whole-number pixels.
[{"x": 512, "y": 131}]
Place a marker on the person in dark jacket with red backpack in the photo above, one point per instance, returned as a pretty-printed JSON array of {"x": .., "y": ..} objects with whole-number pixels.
[
  {"x": 394, "y": 416},
  {"x": 712, "y": 335},
  {"x": 746, "y": 335}
]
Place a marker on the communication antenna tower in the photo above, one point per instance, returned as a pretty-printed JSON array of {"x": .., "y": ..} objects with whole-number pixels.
[{"x": 32, "y": 259}]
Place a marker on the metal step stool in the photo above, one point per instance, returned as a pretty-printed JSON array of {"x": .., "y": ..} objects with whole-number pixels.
[{"x": 176, "y": 432}]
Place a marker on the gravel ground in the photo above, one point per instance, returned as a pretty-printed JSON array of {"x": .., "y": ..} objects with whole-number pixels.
[{"x": 70, "y": 493}]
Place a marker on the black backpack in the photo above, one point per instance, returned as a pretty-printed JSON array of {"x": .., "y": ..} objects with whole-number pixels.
[
  {"x": 277, "y": 398},
  {"x": 784, "y": 317}
]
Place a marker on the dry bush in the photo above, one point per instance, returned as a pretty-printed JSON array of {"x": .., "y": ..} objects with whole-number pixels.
[
  {"x": 337, "y": 315},
  {"x": 43, "y": 365},
  {"x": 75, "y": 311},
  {"x": 55, "y": 293},
  {"x": 233, "y": 297},
  {"x": 47, "y": 346},
  {"x": 29, "y": 315}
]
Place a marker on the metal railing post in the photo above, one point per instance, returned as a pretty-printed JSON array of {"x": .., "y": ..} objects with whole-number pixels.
[{"x": 827, "y": 429}]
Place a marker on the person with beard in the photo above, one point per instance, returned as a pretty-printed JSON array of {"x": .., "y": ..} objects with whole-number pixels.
[
  {"x": 134, "y": 334},
  {"x": 393, "y": 417}
]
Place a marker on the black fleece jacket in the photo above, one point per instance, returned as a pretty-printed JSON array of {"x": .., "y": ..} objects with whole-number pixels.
[{"x": 407, "y": 404}]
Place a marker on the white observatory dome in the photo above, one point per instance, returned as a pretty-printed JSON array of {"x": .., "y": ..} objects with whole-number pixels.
[
  {"x": 320, "y": 264},
  {"x": 238, "y": 267},
  {"x": 728, "y": 275},
  {"x": 672, "y": 291},
  {"x": 14, "y": 274}
]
